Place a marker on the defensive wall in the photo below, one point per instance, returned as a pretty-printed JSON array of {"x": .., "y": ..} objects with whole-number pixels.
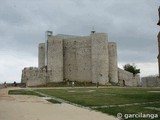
[
  {"x": 33, "y": 76},
  {"x": 77, "y": 58},
  {"x": 128, "y": 79},
  {"x": 150, "y": 81}
]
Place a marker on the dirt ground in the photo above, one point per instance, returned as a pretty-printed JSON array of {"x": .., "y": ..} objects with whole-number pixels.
[{"x": 23, "y": 107}]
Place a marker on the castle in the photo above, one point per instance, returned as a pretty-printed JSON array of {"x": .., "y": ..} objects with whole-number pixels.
[{"x": 78, "y": 58}]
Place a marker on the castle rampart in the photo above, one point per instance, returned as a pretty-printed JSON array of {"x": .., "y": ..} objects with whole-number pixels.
[{"x": 76, "y": 58}]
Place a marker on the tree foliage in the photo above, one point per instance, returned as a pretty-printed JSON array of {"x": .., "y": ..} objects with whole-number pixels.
[{"x": 131, "y": 68}]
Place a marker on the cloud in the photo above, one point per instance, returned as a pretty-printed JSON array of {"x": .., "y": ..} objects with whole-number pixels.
[
  {"x": 146, "y": 69},
  {"x": 12, "y": 65},
  {"x": 130, "y": 23}
]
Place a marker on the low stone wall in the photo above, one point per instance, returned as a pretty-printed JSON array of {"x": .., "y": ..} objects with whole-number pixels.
[
  {"x": 127, "y": 79},
  {"x": 33, "y": 76},
  {"x": 150, "y": 82}
]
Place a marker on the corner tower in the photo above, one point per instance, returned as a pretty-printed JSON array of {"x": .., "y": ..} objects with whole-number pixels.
[
  {"x": 55, "y": 58},
  {"x": 99, "y": 58},
  {"x": 113, "y": 67},
  {"x": 41, "y": 55}
]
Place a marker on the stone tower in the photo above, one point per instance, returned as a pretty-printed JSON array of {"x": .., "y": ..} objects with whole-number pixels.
[
  {"x": 55, "y": 58},
  {"x": 99, "y": 58},
  {"x": 113, "y": 71},
  {"x": 41, "y": 55}
]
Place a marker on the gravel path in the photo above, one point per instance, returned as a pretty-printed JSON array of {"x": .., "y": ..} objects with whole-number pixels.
[{"x": 23, "y": 107}]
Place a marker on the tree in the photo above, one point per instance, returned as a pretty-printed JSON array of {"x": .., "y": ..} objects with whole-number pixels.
[{"x": 131, "y": 68}]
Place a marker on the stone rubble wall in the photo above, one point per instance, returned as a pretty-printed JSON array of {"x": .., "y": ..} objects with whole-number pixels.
[
  {"x": 86, "y": 58},
  {"x": 33, "y": 76},
  {"x": 77, "y": 59},
  {"x": 150, "y": 81},
  {"x": 127, "y": 79}
]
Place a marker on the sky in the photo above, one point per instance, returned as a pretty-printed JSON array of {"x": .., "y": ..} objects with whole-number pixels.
[{"x": 129, "y": 23}]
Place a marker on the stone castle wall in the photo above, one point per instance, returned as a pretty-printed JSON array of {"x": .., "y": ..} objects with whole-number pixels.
[
  {"x": 55, "y": 59},
  {"x": 150, "y": 82},
  {"x": 86, "y": 58},
  {"x": 77, "y": 59},
  {"x": 128, "y": 79},
  {"x": 113, "y": 71},
  {"x": 83, "y": 59},
  {"x": 33, "y": 76},
  {"x": 99, "y": 58}
]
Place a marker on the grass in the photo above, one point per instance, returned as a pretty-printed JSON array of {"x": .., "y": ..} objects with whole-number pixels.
[
  {"x": 23, "y": 92},
  {"x": 111, "y": 96},
  {"x": 135, "y": 109},
  {"x": 53, "y": 101},
  {"x": 104, "y": 96},
  {"x": 91, "y": 97},
  {"x": 68, "y": 84}
]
